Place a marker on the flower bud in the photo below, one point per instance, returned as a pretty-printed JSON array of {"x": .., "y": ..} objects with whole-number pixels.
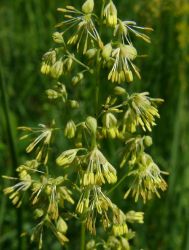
[
  {"x": 91, "y": 124},
  {"x": 57, "y": 37},
  {"x": 110, "y": 13},
  {"x": 74, "y": 104},
  {"x": 67, "y": 157},
  {"x": 91, "y": 245},
  {"x": 106, "y": 51},
  {"x": 38, "y": 213},
  {"x": 57, "y": 69},
  {"x": 52, "y": 94},
  {"x": 76, "y": 79},
  {"x": 68, "y": 63},
  {"x": 119, "y": 91},
  {"x": 91, "y": 53},
  {"x": 88, "y": 6},
  {"x": 148, "y": 141},
  {"x": 70, "y": 129},
  {"x": 61, "y": 226}
]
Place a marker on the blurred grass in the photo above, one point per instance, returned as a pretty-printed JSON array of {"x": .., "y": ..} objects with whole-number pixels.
[{"x": 25, "y": 31}]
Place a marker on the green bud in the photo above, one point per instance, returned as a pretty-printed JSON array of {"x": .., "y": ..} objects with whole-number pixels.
[
  {"x": 61, "y": 226},
  {"x": 68, "y": 63},
  {"x": 57, "y": 69},
  {"x": 70, "y": 129},
  {"x": 91, "y": 124},
  {"x": 148, "y": 141},
  {"x": 67, "y": 157},
  {"x": 91, "y": 245},
  {"x": 91, "y": 53},
  {"x": 119, "y": 91},
  {"x": 52, "y": 94},
  {"x": 38, "y": 213},
  {"x": 74, "y": 104},
  {"x": 57, "y": 37},
  {"x": 76, "y": 79},
  {"x": 106, "y": 51},
  {"x": 88, "y": 6}
]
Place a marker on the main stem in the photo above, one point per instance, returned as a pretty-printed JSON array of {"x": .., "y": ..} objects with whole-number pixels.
[
  {"x": 82, "y": 236},
  {"x": 97, "y": 87}
]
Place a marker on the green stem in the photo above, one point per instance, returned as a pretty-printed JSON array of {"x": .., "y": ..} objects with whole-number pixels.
[
  {"x": 117, "y": 184},
  {"x": 82, "y": 236},
  {"x": 12, "y": 147},
  {"x": 97, "y": 87}
]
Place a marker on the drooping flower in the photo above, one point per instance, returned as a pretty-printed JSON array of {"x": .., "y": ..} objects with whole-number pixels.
[
  {"x": 110, "y": 128},
  {"x": 141, "y": 111},
  {"x": 92, "y": 202},
  {"x": 110, "y": 13},
  {"x": 123, "y": 56},
  {"x": 41, "y": 143},
  {"x": 123, "y": 28},
  {"x": 83, "y": 24},
  {"x": 147, "y": 179},
  {"x": 98, "y": 169}
]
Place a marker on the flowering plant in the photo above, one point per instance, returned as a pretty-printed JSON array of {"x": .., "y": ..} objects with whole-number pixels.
[{"x": 82, "y": 190}]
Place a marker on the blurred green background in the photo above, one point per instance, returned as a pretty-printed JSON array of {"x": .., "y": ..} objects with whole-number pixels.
[{"x": 25, "y": 34}]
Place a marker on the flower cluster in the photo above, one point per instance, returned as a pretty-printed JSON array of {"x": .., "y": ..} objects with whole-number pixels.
[
  {"x": 47, "y": 196},
  {"x": 86, "y": 32},
  {"x": 141, "y": 111},
  {"x": 147, "y": 179},
  {"x": 81, "y": 51},
  {"x": 41, "y": 143}
]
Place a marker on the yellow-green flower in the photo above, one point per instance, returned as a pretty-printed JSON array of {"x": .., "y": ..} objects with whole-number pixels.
[
  {"x": 147, "y": 179},
  {"x": 41, "y": 143},
  {"x": 83, "y": 24},
  {"x": 141, "y": 111},
  {"x": 123, "y": 28},
  {"x": 98, "y": 169},
  {"x": 123, "y": 56}
]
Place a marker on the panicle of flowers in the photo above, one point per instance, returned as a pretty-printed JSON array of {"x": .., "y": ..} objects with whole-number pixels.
[
  {"x": 118, "y": 119},
  {"x": 23, "y": 182},
  {"x": 41, "y": 143},
  {"x": 91, "y": 202},
  {"x": 54, "y": 191},
  {"x": 147, "y": 179},
  {"x": 59, "y": 228},
  {"x": 133, "y": 149},
  {"x": 86, "y": 31},
  {"x": 141, "y": 111},
  {"x": 123, "y": 28}
]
